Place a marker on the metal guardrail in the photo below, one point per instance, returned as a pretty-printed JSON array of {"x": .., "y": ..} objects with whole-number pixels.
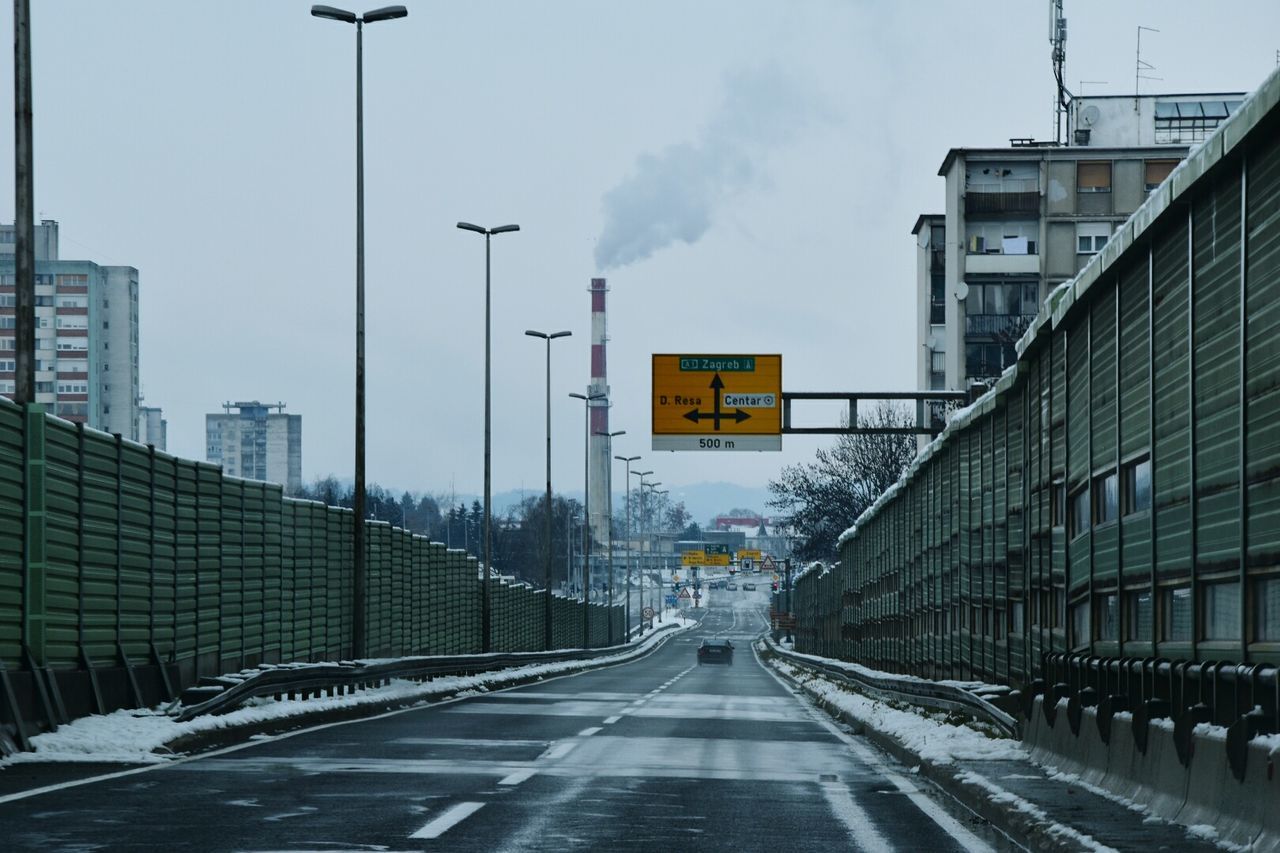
[
  {"x": 931, "y": 694},
  {"x": 223, "y": 693}
]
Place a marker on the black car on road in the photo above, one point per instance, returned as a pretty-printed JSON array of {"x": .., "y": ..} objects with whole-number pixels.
[{"x": 715, "y": 651}]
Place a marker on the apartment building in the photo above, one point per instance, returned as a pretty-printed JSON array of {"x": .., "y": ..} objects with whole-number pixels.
[
  {"x": 86, "y": 335},
  {"x": 1019, "y": 220},
  {"x": 250, "y": 440}
]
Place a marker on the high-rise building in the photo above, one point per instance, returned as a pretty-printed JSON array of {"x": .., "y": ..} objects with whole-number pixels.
[
  {"x": 1020, "y": 220},
  {"x": 249, "y": 440},
  {"x": 152, "y": 427},
  {"x": 86, "y": 335}
]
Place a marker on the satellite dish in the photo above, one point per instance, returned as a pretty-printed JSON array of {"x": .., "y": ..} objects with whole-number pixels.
[
  {"x": 1089, "y": 115},
  {"x": 962, "y": 291}
]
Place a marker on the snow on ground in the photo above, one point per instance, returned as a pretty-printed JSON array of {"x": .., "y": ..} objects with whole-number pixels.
[
  {"x": 139, "y": 736},
  {"x": 927, "y": 734}
]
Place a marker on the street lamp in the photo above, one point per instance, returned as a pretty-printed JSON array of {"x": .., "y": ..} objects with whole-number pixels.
[
  {"x": 488, "y": 432},
  {"x": 587, "y": 400},
  {"x": 547, "y": 609},
  {"x": 608, "y": 451},
  {"x": 627, "y": 497},
  {"x": 641, "y": 475},
  {"x": 648, "y": 537},
  {"x": 385, "y": 13},
  {"x": 654, "y": 602}
]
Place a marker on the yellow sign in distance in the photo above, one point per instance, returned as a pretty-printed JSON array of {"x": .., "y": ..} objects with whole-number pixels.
[
  {"x": 693, "y": 558},
  {"x": 717, "y": 402},
  {"x": 715, "y": 560},
  {"x": 748, "y": 555}
]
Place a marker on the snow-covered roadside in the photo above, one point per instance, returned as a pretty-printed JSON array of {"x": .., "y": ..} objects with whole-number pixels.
[
  {"x": 139, "y": 736},
  {"x": 926, "y": 734}
]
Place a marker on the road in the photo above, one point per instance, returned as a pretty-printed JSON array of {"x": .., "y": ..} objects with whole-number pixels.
[{"x": 655, "y": 755}]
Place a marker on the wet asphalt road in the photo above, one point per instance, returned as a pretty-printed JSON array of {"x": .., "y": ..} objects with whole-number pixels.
[{"x": 655, "y": 755}]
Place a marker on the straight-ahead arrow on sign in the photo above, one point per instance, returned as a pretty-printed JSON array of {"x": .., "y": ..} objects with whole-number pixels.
[{"x": 717, "y": 386}]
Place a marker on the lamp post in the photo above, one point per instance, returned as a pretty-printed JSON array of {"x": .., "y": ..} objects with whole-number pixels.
[
  {"x": 641, "y": 475},
  {"x": 645, "y": 525},
  {"x": 627, "y": 496},
  {"x": 488, "y": 433},
  {"x": 547, "y": 610},
  {"x": 587, "y": 400},
  {"x": 654, "y": 603},
  {"x": 385, "y": 13},
  {"x": 608, "y": 451}
]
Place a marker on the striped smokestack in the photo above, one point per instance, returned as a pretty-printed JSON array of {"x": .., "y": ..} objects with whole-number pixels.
[{"x": 598, "y": 447}]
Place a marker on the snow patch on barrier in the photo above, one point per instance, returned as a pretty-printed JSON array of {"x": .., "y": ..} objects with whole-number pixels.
[
  {"x": 136, "y": 736},
  {"x": 928, "y": 735}
]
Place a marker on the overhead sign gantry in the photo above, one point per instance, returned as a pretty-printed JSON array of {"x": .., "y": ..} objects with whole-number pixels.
[{"x": 736, "y": 402}]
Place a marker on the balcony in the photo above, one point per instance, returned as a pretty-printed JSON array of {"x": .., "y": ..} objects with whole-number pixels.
[
  {"x": 1008, "y": 327},
  {"x": 1000, "y": 202}
]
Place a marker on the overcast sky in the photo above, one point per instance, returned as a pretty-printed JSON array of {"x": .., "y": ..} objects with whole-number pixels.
[{"x": 746, "y": 174}]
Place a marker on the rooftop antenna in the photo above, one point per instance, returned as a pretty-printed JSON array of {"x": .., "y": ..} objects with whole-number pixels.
[
  {"x": 1058, "y": 38},
  {"x": 1140, "y": 65}
]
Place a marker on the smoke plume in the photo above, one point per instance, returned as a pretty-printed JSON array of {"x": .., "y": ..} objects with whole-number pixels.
[{"x": 677, "y": 193}]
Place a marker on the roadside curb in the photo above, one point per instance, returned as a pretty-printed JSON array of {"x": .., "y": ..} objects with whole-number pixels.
[
  {"x": 219, "y": 738},
  {"x": 1025, "y": 828}
]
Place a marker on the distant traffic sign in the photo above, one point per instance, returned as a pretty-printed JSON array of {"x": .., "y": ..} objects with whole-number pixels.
[
  {"x": 768, "y": 564},
  {"x": 684, "y": 592},
  {"x": 647, "y": 613},
  {"x": 717, "y": 402},
  {"x": 692, "y": 558},
  {"x": 670, "y": 600},
  {"x": 748, "y": 554}
]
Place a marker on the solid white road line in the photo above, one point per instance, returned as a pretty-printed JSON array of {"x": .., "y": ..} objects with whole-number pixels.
[
  {"x": 945, "y": 821},
  {"x": 452, "y": 816}
]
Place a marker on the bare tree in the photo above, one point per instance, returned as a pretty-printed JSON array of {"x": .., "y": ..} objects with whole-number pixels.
[{"x": 820, "y": 499}]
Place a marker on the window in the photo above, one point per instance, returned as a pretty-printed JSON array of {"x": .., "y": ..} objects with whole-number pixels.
[
  {"x": 1080, "y": 624},
  {"x": 1078, "y": 519},
  {"x": 1016, "y": 617},
  {"x": 1106, "y": 498},
  {"x": 7, "y": 365},
  {"x": 988, "y": 361},
  {"x": 1222, "y": 611},
  {"x": 1108, "y": 617},
  {"x": 1058, "y": 503},
  {"x": 1157, "y": 171},
  {"x": 1137, "y": 613},
  {"x": 937, "y": 300},
  {"x": 44, "y": 387},
  {"x": 1093, "y": 177},
  {"x": 1092, "y": 236},
  {"x": 1266, "y": 610},
  {"x": 1175, "y": 614},
  {"x": 1186, "y": 122},
  {"x": 1136, "y": 486}
]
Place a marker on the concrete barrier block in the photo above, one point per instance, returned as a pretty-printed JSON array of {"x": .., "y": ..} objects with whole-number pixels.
[
  {"x": 1239, "y": 811},
  {"x": 1162, "y": 775},
  {"x": 1124, "y": 763},
  {"x": 1095, "y": 756},
  {"x": 1062, "y": 750}
]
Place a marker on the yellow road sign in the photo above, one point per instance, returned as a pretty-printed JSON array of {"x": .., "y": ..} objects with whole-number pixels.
[
  {"x": 693, "y": 558},
  {"x": 717, "y": 402},
  {"x": 748, "y": 554},
  {"x": 716, "y": 560}
]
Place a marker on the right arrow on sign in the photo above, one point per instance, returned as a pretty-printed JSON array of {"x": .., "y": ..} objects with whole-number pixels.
[{"x": 717, "y": 386}]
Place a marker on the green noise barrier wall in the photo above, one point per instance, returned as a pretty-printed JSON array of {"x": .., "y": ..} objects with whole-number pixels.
[
  {"x": 127, "y": 574},
  {"x": 1117, "y": 493}
]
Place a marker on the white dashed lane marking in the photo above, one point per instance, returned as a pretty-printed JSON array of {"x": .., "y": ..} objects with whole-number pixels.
[{"x": 446, "y": 821}]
